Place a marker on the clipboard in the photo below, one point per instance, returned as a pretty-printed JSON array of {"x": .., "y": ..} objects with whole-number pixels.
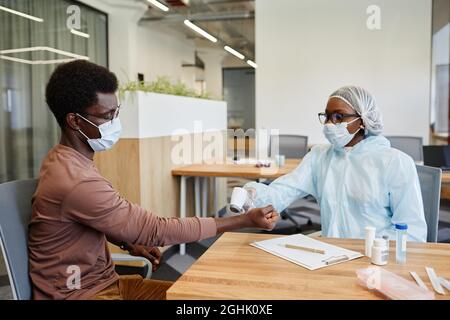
[{"x": 310, "y": 260}]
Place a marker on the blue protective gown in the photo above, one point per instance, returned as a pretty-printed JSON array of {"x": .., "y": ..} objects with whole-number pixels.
[{"x": 370, "y": 184}]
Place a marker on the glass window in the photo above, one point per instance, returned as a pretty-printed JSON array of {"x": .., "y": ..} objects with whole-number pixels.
[
  {"x": 440, "y": 73},
  {"x": 35, "y": 36}
]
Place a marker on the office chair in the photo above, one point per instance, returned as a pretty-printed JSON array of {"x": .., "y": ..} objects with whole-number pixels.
[
  {"x": 15, "y": 213},
  {"x": 430, "y": 186},
  {"x": 291, "y": 146},
  {"x": 412, "y": 146}
]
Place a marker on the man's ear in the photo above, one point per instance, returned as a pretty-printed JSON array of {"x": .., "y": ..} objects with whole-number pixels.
[{"x": 72, "y": 121}]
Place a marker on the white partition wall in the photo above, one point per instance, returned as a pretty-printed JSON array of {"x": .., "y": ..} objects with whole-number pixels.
[
  {"x": 150, "y": 115},
  {"x": 305, "y": 49}
]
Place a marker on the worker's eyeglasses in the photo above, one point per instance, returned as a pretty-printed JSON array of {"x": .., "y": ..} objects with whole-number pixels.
[
  {"x": 335, "y": 117},
  {"x": 110, "y": 116}
]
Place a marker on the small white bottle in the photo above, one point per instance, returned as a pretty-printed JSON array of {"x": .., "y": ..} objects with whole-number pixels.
[
  {"x": 370, "y": 236},
  {"x": 386, "y": 237},
  {"x": 380, "y": 252}
]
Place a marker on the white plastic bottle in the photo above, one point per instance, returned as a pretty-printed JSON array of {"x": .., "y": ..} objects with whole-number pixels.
[
  {"x": 400, "y": 248},
  {"x": 370, "y": 236},
  {"x": 380, "y": 252}
]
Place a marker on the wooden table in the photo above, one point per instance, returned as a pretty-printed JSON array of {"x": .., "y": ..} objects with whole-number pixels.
[
  {"x": 232, "y": 269},
  {"x": 200, "y": 173}
]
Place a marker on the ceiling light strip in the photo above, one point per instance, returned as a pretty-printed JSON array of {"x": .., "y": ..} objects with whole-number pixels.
[
  {"x": 234, "y": 52},
  {"x": 159, "y": 5},
  {"x": 252, "y": 63},
  {"x": 79, "y": 33},
  {"x": 200, "y": 31},
  {"x": 36, "y": 62},
  {"x": 15, "y": 59},
  {"x": 21, "y": 14},
  {"x": 69, "y": 54}
]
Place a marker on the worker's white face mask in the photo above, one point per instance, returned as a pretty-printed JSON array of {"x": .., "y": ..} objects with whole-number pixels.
[
  {"x": 337, "y": 134},
  {"x": 109, "y": 134}
]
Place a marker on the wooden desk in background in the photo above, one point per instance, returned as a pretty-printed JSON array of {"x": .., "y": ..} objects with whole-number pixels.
[
  {"x": 232, "y": 269},
  {"x": 249, "y": 171},
  {"x": 446, "y": 177},
  {"x": 201, "y": 172},
  {"x": 445, "y": 185}
]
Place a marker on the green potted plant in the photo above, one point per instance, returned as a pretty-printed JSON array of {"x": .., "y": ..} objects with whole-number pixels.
[{"x": 161, "y": 85}]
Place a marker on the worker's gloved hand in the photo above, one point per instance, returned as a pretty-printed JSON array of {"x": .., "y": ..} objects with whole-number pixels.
[
  {"x": 251, "y": 196},
  {"x": 263, "y": 218},
  {"x": 242, "y": 200}
]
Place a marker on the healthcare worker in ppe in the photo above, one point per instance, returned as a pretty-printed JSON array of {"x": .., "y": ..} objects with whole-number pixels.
[{"x": 358, "y": 180}]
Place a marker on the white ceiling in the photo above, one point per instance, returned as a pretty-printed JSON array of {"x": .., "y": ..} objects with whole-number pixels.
[{"x": 231, "y": 21}]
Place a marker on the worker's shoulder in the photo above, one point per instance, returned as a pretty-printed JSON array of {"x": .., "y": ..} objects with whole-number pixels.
[
  {"x": 320, "y": 149},
  {"x": 395, "y": 156}
]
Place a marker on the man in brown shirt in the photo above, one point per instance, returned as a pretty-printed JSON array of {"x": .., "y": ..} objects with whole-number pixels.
[{"x": 76, "y": 211}]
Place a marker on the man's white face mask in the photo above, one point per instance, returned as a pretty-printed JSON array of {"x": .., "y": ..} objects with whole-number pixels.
[
  {"x": 337, "y": 134},
  {"x": 109, "y": 134}
]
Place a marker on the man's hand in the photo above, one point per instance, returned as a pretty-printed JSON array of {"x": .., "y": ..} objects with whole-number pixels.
[
  {"x": 151, "y": 253},
  {"x": 263, "y": 218}
]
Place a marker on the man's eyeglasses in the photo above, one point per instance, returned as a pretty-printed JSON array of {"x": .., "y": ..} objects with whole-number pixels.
[
  {"x": 108, "y": 116},
  {"x": 335, "y": 117}
]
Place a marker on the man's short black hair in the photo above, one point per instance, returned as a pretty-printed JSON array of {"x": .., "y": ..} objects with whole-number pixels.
[{"x": 73, "y": 87}]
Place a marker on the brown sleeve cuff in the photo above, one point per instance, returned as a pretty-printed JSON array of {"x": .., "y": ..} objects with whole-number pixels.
[{"x": 208, "y": 228}]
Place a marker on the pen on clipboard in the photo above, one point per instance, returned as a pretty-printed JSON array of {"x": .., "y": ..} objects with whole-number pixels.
[
  {"x": 332, "y": 260},
  {"x": 293, "y": 246}
]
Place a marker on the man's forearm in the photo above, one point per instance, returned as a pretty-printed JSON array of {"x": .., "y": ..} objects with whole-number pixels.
[{"x": 232, "y": 223}]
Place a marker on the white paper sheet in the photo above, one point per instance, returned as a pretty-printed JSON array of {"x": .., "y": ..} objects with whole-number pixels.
[{"x": 308, "y": 260}]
